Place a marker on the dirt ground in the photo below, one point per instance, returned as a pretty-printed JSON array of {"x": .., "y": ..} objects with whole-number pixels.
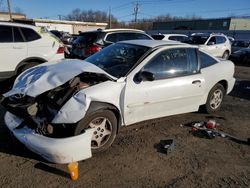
[{"x": 134, "y": 161}]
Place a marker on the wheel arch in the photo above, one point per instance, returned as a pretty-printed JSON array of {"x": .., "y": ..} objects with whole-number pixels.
[
  {"x": 224, "y": 84},
  {"x": 24, "y": 62},
  {"x": 96, "y": 105}
]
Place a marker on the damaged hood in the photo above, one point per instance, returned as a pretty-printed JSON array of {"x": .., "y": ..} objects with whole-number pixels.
[{"x": 47, "y": 76}]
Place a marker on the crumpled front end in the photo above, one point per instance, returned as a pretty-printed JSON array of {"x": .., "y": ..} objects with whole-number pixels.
[
  {"x": 56, "y": 150},
  {"x": 35, "y": 115}
]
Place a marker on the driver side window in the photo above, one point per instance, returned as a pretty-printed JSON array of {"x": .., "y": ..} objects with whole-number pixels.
[{"x": 173, "y": 63}]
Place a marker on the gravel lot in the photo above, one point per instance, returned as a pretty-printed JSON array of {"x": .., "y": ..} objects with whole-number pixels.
[{"x": 133, "y": 160}]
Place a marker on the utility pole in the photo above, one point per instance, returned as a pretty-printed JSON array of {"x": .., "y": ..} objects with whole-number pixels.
[
  {"x": 9, "y": 10},
  {"x": 110, "y": 18},
  {"x": 136, "y": 9},
  {"x": 60, "y": 16}
]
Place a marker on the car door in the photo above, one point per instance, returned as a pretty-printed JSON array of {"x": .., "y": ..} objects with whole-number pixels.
[
  {"x": 220, "y": 45},
  {"x": 12, "y": 48},
  {"x": 177, "y": 87},
  {"x": 211, "y": 46}
]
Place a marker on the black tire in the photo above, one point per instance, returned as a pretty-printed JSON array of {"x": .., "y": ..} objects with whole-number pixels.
[
  {"x": 212, "y": 104},
  {"x": 27, "y": 66},
  {"x": 225, "y": 55},
  {"x": 97, "y": 118}
]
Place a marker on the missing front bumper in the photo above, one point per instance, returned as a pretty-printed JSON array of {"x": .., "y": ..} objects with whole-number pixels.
[{"x": 56, "y": 150}]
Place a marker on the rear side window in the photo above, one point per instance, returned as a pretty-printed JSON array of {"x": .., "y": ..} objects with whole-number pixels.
[
  {"x": 158, "y": 37},
  {"x": 112, "y": 37},
  {"x": 206, "y": 60},
  {"x": 178, "y": 38},
  {"x": 17, "y": 35},
  {"x": 220, "y": 40},
  {"x": 30, "y": 34},
  {"x": 6, "y": 34},
  {"x": 173, "y": 63},
  {"x": 86, "y": 38}
]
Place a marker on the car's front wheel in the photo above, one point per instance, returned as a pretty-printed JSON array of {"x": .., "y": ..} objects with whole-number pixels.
[
  {"x": 225, "y": 55},
  {"x": 104, "y": 123},
  {"x": 215, "y": 98}
]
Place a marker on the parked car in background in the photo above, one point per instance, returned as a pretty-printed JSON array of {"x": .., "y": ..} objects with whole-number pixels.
[
  {"x": 82, "y": 104},
  {"x": 90, "y": 42},
  {"x": 239, "y": 44},
  {"x": 24, "y": 46},
  {"x": 241, "y": 56},
  {"x": 174, "y": 37},
  {"x": 217, "y": 45}
]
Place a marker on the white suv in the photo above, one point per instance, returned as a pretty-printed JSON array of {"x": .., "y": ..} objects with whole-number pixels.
[
  {"x": 217, "y": 45},
  {"x": 23, "y": 46}
]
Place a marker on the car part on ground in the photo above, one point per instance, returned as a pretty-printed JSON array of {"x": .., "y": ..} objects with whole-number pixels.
[
  {"x": 23, "y": 46},
  {"x": 204, "y": 129},
  {"x": 104, "y": 92},
  {"x": 167, "y": 146}
]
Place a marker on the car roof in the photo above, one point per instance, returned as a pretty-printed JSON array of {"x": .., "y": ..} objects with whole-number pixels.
[
  {"x": 17, "y": 25},
  {"x": 172, "y": 34},
  {"x": 208, "y": 34},
  {"x": 155, "y": 43},
  {"x": 112, "y": 30}
]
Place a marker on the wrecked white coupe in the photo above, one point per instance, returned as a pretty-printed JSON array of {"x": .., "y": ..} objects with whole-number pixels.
[{"x": 65, "y": 111}]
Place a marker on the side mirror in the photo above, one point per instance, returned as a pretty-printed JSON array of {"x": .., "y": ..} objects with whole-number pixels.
[
  {"x": 145, "y": 76},
  {"x": 210, "y": 43}
]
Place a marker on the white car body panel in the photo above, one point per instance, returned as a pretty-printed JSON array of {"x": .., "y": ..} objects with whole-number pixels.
[
  {"x": 56, "y": 150},
  {"x": 8, "y": 60},
  {"x": 161, "y": 97}
]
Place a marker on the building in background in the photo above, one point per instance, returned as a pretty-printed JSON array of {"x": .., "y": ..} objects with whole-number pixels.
[
  {"x": 223, "y": 24},
  {"x": 72, "y": 27},
  {"x": 4, "y": 16}
]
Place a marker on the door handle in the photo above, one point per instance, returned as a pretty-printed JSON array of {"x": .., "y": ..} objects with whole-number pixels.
[
  {"x": 196, "y": 82},
  {"x": 18, "y": 47}
]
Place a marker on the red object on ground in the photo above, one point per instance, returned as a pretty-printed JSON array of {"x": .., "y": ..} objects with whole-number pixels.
[{"x": 211, "y": 124}]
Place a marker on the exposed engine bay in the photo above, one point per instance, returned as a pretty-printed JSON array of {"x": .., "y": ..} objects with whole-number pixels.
[{"x": 38, "y": 112}]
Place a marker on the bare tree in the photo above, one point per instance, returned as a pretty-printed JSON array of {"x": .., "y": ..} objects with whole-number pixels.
[{"x": 89, "y": 16}]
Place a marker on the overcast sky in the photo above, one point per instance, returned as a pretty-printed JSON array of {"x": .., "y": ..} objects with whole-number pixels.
[{"x": 123, "y": 10}]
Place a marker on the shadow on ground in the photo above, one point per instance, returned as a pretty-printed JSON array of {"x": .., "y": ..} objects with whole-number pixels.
[{"x": 241, "y": 89}]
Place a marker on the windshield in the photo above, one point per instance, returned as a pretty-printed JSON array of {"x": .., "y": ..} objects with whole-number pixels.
[
  {"x": 197, "y": 39},
  {"x": 118, "y": 59}
]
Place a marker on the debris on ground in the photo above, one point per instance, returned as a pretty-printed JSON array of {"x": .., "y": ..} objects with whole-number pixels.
[
  {"x": 209, "y": 130},
  {"x": 167, "y": 146}
]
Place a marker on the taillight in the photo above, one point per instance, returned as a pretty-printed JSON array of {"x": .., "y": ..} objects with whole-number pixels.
[
  {"x": 92, "y": 49},
  {"x": 60, "y": 50}
]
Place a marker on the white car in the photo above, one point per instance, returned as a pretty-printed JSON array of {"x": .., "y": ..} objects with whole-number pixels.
[
  {"x": 217, "y": 45},
  {"x": 23, "y": 46},
  {"x": 65, "y": 110},
  {"x": 173, "y": 37}
]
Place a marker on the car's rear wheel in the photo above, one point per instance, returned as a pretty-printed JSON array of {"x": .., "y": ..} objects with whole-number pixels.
[
  {"x": 215, "y": 98},
  {"x": 225, "y": 55},
  {"x": 104, "y": 123}
]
